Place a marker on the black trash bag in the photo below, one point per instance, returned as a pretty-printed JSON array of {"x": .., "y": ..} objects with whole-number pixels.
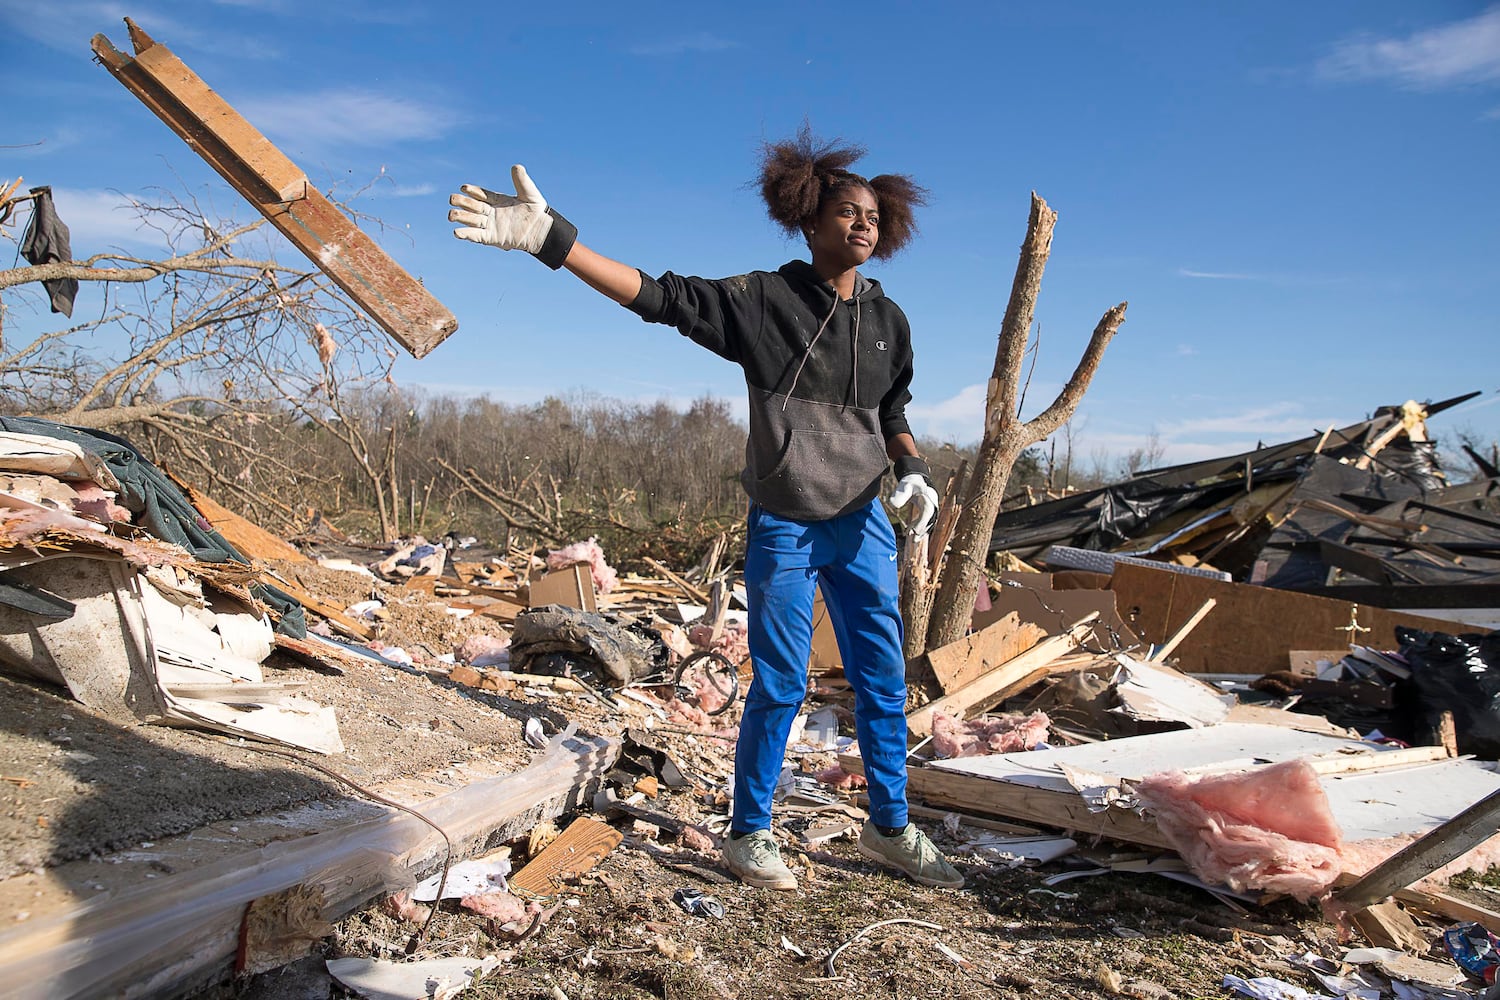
[
  {"x": 1459, "y": 674},
  {"x": 596, "y": 648},
  {"x": 1414, "y": 461}
]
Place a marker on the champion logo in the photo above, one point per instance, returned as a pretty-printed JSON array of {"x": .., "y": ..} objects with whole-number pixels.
[{"x": 879, "y": 345}]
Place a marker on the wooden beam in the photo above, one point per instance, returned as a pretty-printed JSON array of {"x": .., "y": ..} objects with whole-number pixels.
[
  {"x": 692, "y": 592},
  {"x": 1426, "y": 854},
  {"x": 983, "y": 691},
  {"x": 961, "y": 662},
  {"x": 279, "y": 190},
  {"x": 1066, "y": 810}
]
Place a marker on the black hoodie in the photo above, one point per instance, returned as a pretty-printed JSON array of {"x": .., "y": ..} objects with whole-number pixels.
[{"x": 828, "y": 380}]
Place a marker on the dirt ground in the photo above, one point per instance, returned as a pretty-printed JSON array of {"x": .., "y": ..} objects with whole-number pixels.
[{"x": 78, "y": 784}]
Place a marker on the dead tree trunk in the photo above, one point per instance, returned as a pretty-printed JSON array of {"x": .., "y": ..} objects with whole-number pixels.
[
  {"x": 1005, "y": 435},
  {"x": 923, "y": 561}
]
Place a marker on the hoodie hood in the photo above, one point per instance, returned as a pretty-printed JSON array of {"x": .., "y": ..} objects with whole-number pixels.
[{"x": 817, "y": 291}]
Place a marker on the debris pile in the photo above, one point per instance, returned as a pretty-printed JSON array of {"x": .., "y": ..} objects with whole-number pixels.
[{"x": 1135, "y": 709}]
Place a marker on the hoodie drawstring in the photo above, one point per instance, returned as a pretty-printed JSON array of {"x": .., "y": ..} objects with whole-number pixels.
[
  {"x": 808, "y": 352},
  {"x": 856, "y": 352}
]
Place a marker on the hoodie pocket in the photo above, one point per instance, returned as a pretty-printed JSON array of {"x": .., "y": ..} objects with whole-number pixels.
[{"x": 822, "y": 473}]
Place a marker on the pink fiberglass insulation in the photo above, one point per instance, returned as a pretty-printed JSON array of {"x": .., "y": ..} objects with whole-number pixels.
[
  {"x": 95, "y": 502},
  {"x": 953, "y": 737},
  {"x": 697, "y": 839},
  {"x": 1267, "y": 828},
  {"x": 837, "y": 777},
  {"x": 501, "y": 907},
  {"x": 605, "y": 579},
  {"x": 401, "y": 906},
  {"x": 708, "y": 697},
  {"x": 733, "y": 642}
]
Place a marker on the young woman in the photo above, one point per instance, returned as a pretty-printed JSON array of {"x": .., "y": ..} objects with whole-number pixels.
[{"x": 827, "y": 361}]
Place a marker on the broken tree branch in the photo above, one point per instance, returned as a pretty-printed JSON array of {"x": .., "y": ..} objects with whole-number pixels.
[{"x": 1006, "y": 437}]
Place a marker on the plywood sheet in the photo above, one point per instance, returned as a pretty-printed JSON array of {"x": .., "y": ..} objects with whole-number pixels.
[
  {"x": 1367, "y": 804},
  {"x": 1252, "y": 629}
]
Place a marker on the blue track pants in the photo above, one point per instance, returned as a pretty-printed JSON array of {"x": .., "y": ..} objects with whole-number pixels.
[{"x": 853, "y": 558}]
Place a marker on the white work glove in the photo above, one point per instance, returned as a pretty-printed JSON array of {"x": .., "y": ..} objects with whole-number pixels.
[
  {"x": 919, "y": 488},
  {"x": 519, "y": 222}
]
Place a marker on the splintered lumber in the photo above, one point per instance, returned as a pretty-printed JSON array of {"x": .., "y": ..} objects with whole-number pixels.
[
  {"x": 1427, "y": 854},
  {"x": 694, "y": 594},
  {"x": 995, "y": 684},
  {"x": 1048, "y": 807},
  {"x": 581, "y": 846},
  {"x": 1386, "y": 925},
  {"x": 961, "y": 662},
  {"x": 1182, "y": 633},
  {"x": 279, "y": 190},
  {"x": 334, "y": 614},
  {"x": 174, "y": 933},
  {"x": 1451, "y": 907}
]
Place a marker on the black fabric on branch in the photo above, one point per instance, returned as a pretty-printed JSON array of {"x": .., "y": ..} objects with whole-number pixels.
[{"x": 47, "y": 242}]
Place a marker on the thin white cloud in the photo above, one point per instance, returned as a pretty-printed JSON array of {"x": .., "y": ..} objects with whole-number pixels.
[
  {"x": 1186, "y": 350},
  {"x": 59, "y": 138},
  {"x": 1269, "y": 422},
  {"x": 683, "y": 44},
  {"x": 1219, "y": 275},
  {"x": 1452, "y": 55},
  {"x": 959, "y": 418},
  {"x": 68, "y": 25},
  {"x": 61, "y": 25},
  {"x": 1492, "y": 115},
  {"x": 348, "y": 117},
  {"x": 394, "y": 190},
  {"x": 1294, "y": 280},
  {"x": 98, "y": 220}
]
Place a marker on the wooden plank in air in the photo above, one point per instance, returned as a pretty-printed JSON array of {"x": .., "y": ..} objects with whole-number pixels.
[
  {"x": 261, "y": 159},
  {"x": 263, "y": 176}
]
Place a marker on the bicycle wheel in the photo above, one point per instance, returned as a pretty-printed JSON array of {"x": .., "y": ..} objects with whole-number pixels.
[{"x": 715, "y": 672}]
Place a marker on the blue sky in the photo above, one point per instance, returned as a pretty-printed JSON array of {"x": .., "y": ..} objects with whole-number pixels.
[{"x": 1299, "y": 201}]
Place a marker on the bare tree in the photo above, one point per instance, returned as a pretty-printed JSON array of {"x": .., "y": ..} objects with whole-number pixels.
[
  {"x": 1006, "y": 436},
  {"x": 201, "y": 350}
]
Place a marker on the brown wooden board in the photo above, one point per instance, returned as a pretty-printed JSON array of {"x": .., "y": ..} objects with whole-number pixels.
[
  {"x": 1065, "y": 810},
  {"x": 993, "y": 685},
  {"x": 572, "y": 587},
  {"x": 581, "y": 846},
  {"x": 825, "y": 644},
  {"x": 1252, "y": 629},
  {"x": 249, "y": 538},
  {"x": 958, "y": 663},
  {"x": 278, "y": 190}
]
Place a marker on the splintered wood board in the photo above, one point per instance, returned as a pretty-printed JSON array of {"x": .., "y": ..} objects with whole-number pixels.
[
  {"x": 581, "y": 846},
  {"x": 958, "y": 663}
]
